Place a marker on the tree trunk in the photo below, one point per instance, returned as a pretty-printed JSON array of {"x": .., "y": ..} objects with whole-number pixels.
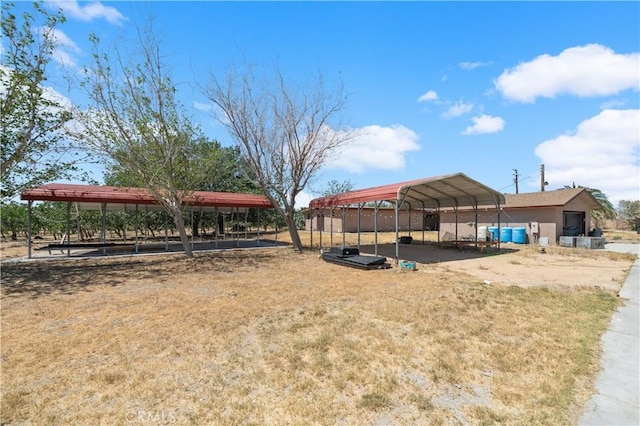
[
  {"x": 195, "y": 228},
  {"x": 220, "y": 222},
  {"x": 293, "y": 232},
  {"x": 178, "y": 220}
]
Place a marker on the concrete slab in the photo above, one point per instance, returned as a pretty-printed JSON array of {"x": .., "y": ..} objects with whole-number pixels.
[
  {"x": 617, "y": 397},
  {"x": 623, "y": 248},
  {"x": 146, "y": 249}
]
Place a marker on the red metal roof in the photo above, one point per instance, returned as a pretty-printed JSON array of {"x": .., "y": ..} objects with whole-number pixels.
[
  {"x": 92, "y": 197},
  {"x": 435, "y": 192}
]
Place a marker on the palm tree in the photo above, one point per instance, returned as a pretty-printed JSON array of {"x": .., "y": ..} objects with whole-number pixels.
[{"x": 607, "y": 211}]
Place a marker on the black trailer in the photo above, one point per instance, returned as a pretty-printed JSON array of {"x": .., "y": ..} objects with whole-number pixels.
[{"x": 350, "y": 256}]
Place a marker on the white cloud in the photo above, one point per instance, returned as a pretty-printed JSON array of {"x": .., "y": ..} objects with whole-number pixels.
[
  {"x": 484, "y": 124},
  {"x": 590, "y": 70},
  {"x": 58, "y": 100},
  {"x": 458, "y": 109},
  {"x": 376, "y": 147},
  {"x": 602, "y": 153},
  {"x": 302, "y": 200},
  {"x": 63, "y": 40},
  {"x": 65, "y": 47},
  {"x": 473, "y": 65},
  {"x": 613, "y": 104},
  {"x": 204, "y": 107},
  {"x": 429, "y": 96},
  {"x": 89, "y": 12}
]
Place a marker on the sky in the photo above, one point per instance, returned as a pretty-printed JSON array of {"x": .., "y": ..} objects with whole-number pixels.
[{"x": 435, "y": 88}]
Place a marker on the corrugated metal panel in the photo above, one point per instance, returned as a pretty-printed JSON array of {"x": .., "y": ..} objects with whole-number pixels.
[
  {"x": 91, "y": 197},
  {"x": 436, "y": 192}
]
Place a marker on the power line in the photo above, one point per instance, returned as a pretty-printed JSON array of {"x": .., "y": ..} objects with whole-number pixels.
[{"x": 531, "y": 175}]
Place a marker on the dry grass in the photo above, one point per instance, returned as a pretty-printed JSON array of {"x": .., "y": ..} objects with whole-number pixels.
[
  {"x": 277, "y": 337},
  {"x": 621, "y": 236}
]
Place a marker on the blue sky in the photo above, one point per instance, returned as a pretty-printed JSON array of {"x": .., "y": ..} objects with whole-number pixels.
[{"x": 435, "y": 88}]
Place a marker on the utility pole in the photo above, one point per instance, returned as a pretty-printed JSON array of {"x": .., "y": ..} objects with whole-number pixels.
[
  {"x": 515, "y": 178},
  {"x": 542, "y": 181}
]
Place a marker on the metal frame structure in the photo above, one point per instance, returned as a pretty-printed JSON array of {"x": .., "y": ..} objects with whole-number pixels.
[
  {"x": 429, "y": 194},
  {"x": 110, "y": 198}
]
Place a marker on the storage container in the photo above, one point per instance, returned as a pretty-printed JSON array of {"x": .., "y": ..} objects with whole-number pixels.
[
  {"x": 567, "y": 241},
  {"x": 519, "y": 235},
  {"x": 482, "y": 233},
  {"x": 592, "y": 243},
  {"x": 506, "y": 234}
]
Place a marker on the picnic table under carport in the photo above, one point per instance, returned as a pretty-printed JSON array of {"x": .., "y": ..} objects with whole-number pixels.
[{"x": 127, "y": 199}]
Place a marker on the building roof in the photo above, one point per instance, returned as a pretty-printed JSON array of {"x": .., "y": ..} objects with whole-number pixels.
[
  {"x": 92, "y": 197},
  {"x": 455, "y": 190},
  {"x": 556, "y": 198}
]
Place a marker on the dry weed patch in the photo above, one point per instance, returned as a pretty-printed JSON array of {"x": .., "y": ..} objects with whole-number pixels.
[{"x": 277, "y": 337}]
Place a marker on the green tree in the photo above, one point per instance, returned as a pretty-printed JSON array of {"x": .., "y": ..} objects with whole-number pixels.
[
  {"x": 34, "y": 148},
  {"x": 51, "y": 218},
  {"x": 224, "y": 170},
  {"x": 136, "y": 123},
  {"x": 607, "y": 211},
  {"x": 334, "y": 187},
  {"x": 13, "y": 219},
  {"x": 629, "y": 211},
  {"x": 88, "y": 223},
  {"x": 283, "y": 131}
]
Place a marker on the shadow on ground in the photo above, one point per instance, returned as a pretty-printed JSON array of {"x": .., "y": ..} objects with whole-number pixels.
[
  {"x": 100, "y": 250},
  {"x": 67, "y": 276},
  {"x": 429, "y": 253}
]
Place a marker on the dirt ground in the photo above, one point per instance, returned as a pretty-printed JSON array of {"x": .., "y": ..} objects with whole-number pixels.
[
  {"x": 524, "y": 266},
  {"x": 276, "y": 337},
  {"x": 513, "y": 264}
]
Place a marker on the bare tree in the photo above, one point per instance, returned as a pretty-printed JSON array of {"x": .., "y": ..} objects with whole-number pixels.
[
  {"x": 285, "y": 132},
  {"x": 136, "y": 122}
]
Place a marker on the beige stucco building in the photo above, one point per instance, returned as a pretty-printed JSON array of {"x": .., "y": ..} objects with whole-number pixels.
[
  {"x": 545, "y": 214},
  {"x": 383, "y": 219}
]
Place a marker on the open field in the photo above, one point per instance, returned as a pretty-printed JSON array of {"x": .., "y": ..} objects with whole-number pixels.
[{"x": 272, "y": 336}]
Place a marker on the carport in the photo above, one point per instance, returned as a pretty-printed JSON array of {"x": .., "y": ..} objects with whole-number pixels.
[
  {"x": 126, "y": 199},
  {"x": 452, "y": 191}
]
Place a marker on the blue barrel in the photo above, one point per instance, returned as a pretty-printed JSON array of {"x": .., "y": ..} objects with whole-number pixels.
[
  {"x": 506, "y": 234},
  {"x": 493, "y": 231},
  {"x": 520, "y": 235}
]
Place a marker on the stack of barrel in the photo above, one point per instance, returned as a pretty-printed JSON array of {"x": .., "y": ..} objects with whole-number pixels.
[{"x": 506, "y": 234}]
